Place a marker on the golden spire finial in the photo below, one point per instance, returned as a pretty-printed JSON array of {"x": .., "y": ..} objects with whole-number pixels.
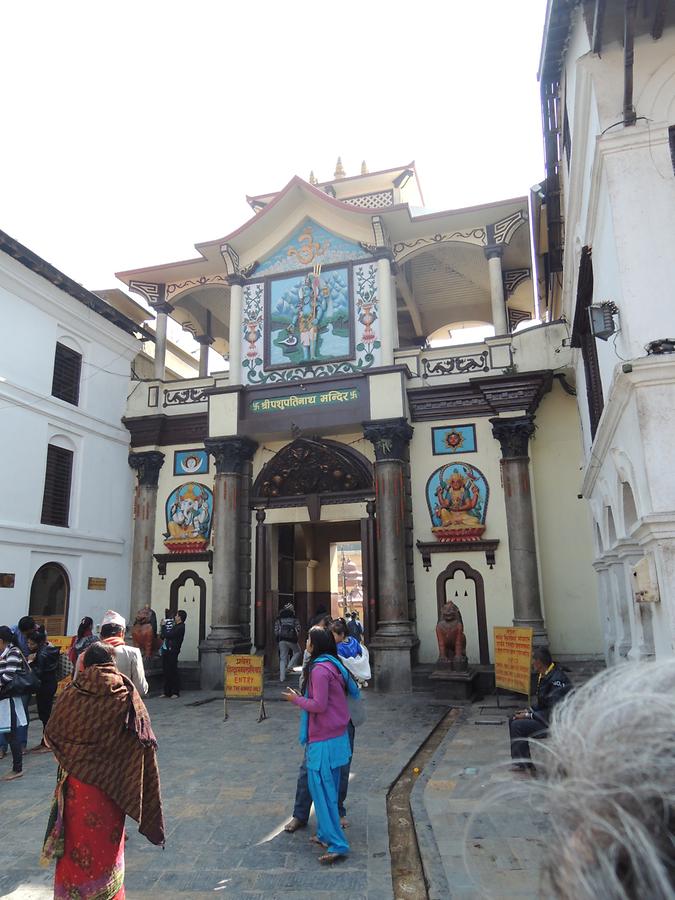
[
  {"x": 364, "y": 168},
  {"x": 339, "y": 169},
  {"x": 312, "y": 178}
]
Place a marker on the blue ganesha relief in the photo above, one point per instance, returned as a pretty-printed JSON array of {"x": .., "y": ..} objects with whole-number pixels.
[
  {"x": 189, "y": 516},
  {"x": 457, "y": 497}
]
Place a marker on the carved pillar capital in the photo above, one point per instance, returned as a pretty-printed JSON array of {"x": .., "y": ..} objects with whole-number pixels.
[
  {"x": 513, "y": 435},
  {"x": 205, "y": 340},
  {"x": 389, "y": 437},
  {"x": 147, "y": 465},
  {"x": 230, "y": 453}
]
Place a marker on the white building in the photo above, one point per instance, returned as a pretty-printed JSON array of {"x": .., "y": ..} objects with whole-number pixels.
[
  {"x": 606, "y": 233},
  {"x": 66, "y": 484}
]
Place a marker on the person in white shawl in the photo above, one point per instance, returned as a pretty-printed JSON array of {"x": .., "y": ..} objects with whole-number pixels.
[{"x": 12, "y": 712}]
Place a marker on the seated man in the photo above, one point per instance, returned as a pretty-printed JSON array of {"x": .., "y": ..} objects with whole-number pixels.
[{"x": 552, "y": 685}]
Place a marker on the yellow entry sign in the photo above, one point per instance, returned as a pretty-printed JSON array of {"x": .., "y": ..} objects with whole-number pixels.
[
  {"x": 244, "y": 677},
  {"x": 513, "y": 659}
]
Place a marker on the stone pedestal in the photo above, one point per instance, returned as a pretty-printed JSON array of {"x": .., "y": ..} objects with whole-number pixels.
[
  {"x": 231, "y": 456},
  {"x": 395, "y": 635},
  {"x": 457, "y": 687},
  {"x": 147, "y": 466}
]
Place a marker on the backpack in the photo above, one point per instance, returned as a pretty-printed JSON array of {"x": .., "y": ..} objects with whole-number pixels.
[
  {"x": 287, "y": 631},
  {"x": 353, "y": 629}
]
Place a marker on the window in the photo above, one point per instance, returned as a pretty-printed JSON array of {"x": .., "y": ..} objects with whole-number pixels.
[
  {"x": 56, "y": 499},
  {"x": 66, "y": 380}
]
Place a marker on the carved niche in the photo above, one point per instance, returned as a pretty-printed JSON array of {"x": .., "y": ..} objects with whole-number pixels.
[{"x": 310, "y": 466}]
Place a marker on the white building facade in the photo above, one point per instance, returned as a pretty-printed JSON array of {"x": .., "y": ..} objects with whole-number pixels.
[
  {"x": 66, "y": 484},
  {"x": 605, "y": 232}
]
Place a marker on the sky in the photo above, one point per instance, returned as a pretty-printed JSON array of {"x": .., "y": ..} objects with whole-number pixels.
[{"x": 133, "y": 130}]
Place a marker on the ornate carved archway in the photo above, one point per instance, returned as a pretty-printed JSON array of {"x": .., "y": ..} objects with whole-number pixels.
[{"x": 313, "y": 471}]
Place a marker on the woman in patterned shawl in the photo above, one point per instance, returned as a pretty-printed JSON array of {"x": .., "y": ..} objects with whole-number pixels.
[{"x": 101, "y": 735}]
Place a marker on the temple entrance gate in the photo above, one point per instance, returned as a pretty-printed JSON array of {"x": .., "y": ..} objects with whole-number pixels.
[{"x": 293, "y": 549}]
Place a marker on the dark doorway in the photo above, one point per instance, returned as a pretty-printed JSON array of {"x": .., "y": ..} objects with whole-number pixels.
[{"x": 49, "y": 597}]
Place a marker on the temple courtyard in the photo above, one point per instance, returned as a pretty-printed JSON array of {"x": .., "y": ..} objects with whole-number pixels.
[{"x": 228, "y": 789}]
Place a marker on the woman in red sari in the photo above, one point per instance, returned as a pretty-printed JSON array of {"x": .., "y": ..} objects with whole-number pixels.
[{"x": 101, "y": 736}]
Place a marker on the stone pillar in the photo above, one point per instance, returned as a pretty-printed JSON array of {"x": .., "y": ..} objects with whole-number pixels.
[
  {"x": 387, "y": 309},
  {"x": 395, "y": 635},
  {"x": 162, "y": 309},
  {"x": 514, "y": 435},
  {"x": 204, "y": 341},
  {"x": 231, "y": 454},
  {"x": 235, "y": 336},
  {"x": 261, "y": 566},
  {"x": 494, "y": 253},
  {"x": 147, "y": 466}
]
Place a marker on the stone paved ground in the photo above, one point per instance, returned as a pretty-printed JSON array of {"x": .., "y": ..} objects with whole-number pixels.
[
  {"x": 501, "y": 853},
  {"x": 228, "y": 789}
]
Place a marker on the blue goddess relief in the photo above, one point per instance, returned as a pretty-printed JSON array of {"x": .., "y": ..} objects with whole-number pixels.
[
  {"x": 189, "y": 514},
  {"x": 310, "y": 317},
  {"x": 457, "y": 497}
]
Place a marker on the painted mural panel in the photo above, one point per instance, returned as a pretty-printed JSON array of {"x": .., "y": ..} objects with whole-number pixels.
[
  {"x": 189, "y": 515},
  {"x": 457, "y": 497},
  {"x": 453, "y": 439},
  {"x": 190, "y": 462},
  {"x": 309, "y": 318},
  {"x": 286, "y": 348},
  {"x": 310, "y": 244}
]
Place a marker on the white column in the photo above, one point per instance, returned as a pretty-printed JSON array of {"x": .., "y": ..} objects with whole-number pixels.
[
  {"x": 163, "y": 311},
  {"x": 235, "y": 339},
  {"x": 494, "y": 252},
  {"x": 387, "y": 310}
]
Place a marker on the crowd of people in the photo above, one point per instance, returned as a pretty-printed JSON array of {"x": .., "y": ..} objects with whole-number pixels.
[
  {"x": 30, "y": 666},
  {"x": 101, "y": 736},
  {"x": 606, "y": 771}
]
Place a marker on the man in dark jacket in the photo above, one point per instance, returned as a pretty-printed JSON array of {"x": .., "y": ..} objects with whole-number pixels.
[
  {"x": 173, "y": 641},
  {"x": 552, "y": 686}
]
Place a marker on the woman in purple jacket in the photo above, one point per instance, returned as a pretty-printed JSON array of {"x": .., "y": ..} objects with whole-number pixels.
[{"x": 323, "y": 727}]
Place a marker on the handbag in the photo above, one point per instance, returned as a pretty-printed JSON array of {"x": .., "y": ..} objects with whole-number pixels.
[
  {"x": 25, "y": 681},
  {"x": 64, "y": 667}
]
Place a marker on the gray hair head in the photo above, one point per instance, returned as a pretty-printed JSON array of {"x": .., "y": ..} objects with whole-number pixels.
[{"x": 607, "y": 787}]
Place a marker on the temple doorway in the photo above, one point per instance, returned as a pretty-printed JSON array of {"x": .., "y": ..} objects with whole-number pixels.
[
  {"x": 319, "y": 567},
  {"x": 49, "y": 596}
]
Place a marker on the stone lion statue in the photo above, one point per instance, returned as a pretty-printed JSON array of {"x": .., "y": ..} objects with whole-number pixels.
[{"x": 451, "y": 637}]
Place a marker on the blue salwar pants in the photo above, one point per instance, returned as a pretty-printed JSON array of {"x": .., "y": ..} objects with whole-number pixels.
[{"x": 325, "y": 760}]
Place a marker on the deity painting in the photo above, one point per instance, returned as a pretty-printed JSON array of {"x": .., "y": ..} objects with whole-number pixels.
[
  {"x": 189, "y": 514},
  {"x": 453, "y": 439},
  {"x": 190, "y": 462},
  {"x": 309, "y": 318},
  {"x": 457, "y": 497}
]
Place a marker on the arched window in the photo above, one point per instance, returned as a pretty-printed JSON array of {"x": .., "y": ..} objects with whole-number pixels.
[
  {"x": 630, "y": 515},
  {"x": 49, "y": 596}
]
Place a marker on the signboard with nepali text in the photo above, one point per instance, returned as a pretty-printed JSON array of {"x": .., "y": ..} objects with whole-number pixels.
[
  {"x": 244, "y": 679},
  {"x": 513, "y": 659}
]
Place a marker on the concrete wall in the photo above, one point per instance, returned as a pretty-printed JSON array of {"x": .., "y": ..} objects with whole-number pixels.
[{"x": 96, "y": 543}]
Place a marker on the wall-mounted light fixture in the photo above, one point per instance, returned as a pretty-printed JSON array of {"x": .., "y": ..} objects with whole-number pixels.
[{"x": 604, "y": 319}]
